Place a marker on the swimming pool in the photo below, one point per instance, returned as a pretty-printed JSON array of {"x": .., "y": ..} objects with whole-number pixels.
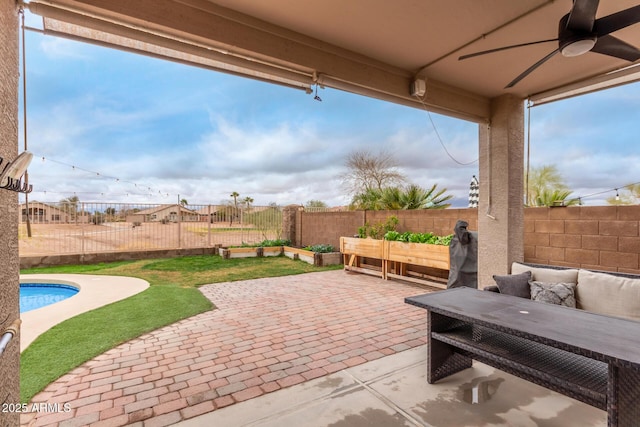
[{"x": 37, "y": 295}]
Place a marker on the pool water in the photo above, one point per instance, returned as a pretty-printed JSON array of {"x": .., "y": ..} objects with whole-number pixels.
[{"x": 37, "y": 295}]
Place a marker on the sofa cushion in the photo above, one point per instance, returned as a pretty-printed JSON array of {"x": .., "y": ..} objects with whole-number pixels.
[
  {"x": 514, "y": 284},
  {"x": 547, "y": 275},
  {"x": 554, "y": 293},
  {"x": 607, "y": 294}
]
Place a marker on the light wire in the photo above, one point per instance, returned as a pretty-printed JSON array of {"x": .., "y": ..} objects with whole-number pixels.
[{"x": 435, "y": 129}]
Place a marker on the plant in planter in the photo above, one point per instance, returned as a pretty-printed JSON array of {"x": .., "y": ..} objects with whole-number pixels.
[
  {"x": 264, "y": 248},
  {"x": 415, "y": 249},
  {"x": 428, "y": 238},
  {"x": 396, "y": 251},
  {"x": 321, "y": 249},
  {"x": 318, "y": 255}
]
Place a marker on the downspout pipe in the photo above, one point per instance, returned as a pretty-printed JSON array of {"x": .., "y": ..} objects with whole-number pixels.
[{"x": 8, "y": 334}]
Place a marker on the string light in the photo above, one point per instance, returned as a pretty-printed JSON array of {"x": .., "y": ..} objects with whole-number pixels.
[
  {"x": 617, "y": 197},
  {"x": 98, "y": 174}
]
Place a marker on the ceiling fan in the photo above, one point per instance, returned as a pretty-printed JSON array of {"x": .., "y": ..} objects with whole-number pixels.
[{"x": 580, "y": 32}]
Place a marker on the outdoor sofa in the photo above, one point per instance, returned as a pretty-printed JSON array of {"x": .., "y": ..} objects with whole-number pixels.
[{"x": 609, "y": 293}]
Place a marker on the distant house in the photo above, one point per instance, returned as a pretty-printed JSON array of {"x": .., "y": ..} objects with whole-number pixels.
[
  {"x": 43, "y": 213},
  {"x": 164, "y": 213},
  {"x": 213, "y": 213}
]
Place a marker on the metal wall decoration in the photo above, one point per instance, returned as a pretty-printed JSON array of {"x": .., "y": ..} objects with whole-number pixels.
[{"x": 13, "y": 172}]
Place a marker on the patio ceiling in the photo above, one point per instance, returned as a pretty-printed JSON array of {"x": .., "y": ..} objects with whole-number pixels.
[{"x": 372, "y": 47}]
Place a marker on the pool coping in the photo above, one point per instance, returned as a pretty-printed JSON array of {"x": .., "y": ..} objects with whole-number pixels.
[{"x": 92, "y": 294}]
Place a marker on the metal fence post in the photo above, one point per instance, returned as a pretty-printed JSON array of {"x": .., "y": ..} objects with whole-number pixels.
[
  {"x": 209, "y": 225},
  {"x": 82, "y": 228},
  {"x": 179, "y": 224}
]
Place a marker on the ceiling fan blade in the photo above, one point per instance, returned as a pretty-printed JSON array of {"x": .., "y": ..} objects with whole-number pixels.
[
  {"x": 530, "y": 69},
  {"x": 612, "y": 46},
  {"x": 582, "y": 15},
  {"x": 484, "y": 52},
  {"x": 617, "y": 21}
]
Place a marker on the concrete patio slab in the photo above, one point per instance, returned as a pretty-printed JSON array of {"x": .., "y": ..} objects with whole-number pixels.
[{"x": 393, "y": 392}]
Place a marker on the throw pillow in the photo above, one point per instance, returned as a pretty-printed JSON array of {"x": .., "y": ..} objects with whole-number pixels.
[
  {"x": 547, "y": 275},
  {"x": 608, "y": 294},
  {"x": 554, "y": 293},
  {"x": 514, "y": 284}
]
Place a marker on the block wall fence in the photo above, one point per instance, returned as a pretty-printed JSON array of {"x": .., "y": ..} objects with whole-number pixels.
[{"x": 595, "y": 237}]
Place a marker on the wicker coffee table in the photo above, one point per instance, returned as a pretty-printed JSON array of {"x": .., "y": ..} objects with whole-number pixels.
[{"x": 589, "y": 357}]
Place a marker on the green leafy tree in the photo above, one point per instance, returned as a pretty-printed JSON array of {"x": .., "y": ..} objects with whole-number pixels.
[{"x": 183, "y": 202}]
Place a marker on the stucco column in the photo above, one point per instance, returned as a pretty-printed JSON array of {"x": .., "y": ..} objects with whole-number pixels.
[
  {"x": 501, "y": 208},
  {"x": 9, "y": 260}
]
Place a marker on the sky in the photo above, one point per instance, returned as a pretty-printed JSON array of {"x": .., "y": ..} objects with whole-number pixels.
[{"x": 111, "y": 126}]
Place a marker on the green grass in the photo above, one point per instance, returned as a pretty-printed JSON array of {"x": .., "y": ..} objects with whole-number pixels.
[{"x": 172, "y": 296}]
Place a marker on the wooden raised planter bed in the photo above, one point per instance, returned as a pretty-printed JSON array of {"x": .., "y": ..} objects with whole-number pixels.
[
  {"x": 228, "y": 253},
  {"x": 400, "y": 256},
  {"x": 398, "y": 259},
  {"x": 355, "y": 251},
  {"x": 315, "y": 258}
]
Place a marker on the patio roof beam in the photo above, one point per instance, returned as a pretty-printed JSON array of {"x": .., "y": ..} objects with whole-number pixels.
[{"x": 205, "y": 24}]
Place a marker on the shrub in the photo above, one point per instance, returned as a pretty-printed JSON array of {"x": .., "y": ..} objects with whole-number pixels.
[{"x": 377, "y": 231}]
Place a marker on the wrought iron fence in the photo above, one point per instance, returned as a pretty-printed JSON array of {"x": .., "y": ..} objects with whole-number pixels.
[{"x": 80, "y": 227}]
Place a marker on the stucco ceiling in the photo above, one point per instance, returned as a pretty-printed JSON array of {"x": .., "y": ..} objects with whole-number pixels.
[{"x": 373, "y": 47}]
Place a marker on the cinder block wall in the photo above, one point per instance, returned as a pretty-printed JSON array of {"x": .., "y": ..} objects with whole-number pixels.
[
  {"x": 328, "y": 227},
  {"x": 595, "y": 237}
]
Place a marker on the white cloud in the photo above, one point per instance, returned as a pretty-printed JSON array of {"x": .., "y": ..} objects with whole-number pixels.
[
  {"x": 204, "y": 135},
  {"x": 57, "y": 48}
]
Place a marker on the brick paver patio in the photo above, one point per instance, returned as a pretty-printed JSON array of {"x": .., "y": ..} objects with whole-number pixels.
[{"x": 265, "y": 335}]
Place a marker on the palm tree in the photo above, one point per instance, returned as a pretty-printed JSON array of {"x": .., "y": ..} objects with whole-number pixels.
[
  {"x": 397, "y": 198},
  {"x": 70, "y": 205},
  {"x": 247, "y": 201},
  {"x": 416, "y": 197},
  {"x": 368, "y": 200},
  {"x": 392, "y": 198},
  {"x": 555, "y": 198},
  {"x": 183, "y": 202},
  {"x": 235, "y": 196},
  {"x": 543, "y": 179}
]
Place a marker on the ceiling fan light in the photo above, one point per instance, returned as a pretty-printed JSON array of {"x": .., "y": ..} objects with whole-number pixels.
[{"x": 578, "y": 47}]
